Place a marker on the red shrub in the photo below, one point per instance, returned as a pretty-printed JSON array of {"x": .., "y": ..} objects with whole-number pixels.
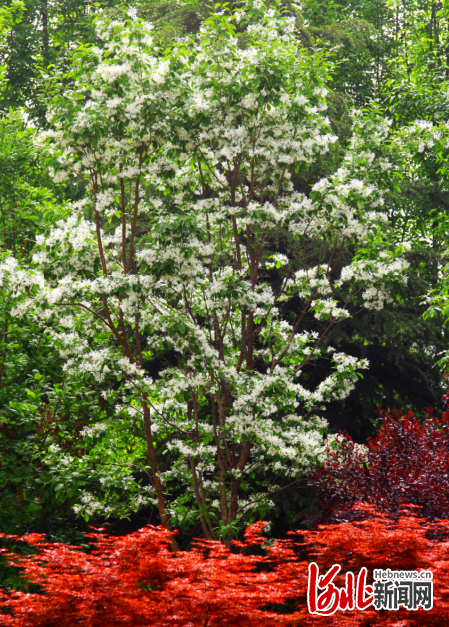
[
  {"x": 136, "y": 580},
  {"x": 380, "y": 542},
  {"x": 407, "y": 462}
]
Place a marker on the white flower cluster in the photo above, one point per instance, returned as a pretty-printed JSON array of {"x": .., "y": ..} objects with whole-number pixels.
[
  {"x": 93, "y": 430},
  {"x": 334, "y": 442},
  {"x": 372, "y": 274}
]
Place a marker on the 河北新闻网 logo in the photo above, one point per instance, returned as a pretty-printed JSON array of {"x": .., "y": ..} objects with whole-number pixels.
[{"x": 391, "y": 589}]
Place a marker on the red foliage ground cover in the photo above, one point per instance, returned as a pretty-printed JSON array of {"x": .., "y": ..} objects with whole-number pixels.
[{"x": 137, "y": 580}]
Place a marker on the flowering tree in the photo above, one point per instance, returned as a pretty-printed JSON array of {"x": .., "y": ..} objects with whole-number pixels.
[{"x": 193, "y": 242}]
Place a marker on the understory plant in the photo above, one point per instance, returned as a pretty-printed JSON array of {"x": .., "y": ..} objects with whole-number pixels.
[{"x": 406, "y": 462}]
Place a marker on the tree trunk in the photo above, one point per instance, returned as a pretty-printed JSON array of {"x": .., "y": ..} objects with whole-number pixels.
[
  {"x": 45, "y": 37},
  {"x": 165, "y": 519}
]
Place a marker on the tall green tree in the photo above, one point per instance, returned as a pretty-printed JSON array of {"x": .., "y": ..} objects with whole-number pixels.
[{"x": 41, "y": 37}]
